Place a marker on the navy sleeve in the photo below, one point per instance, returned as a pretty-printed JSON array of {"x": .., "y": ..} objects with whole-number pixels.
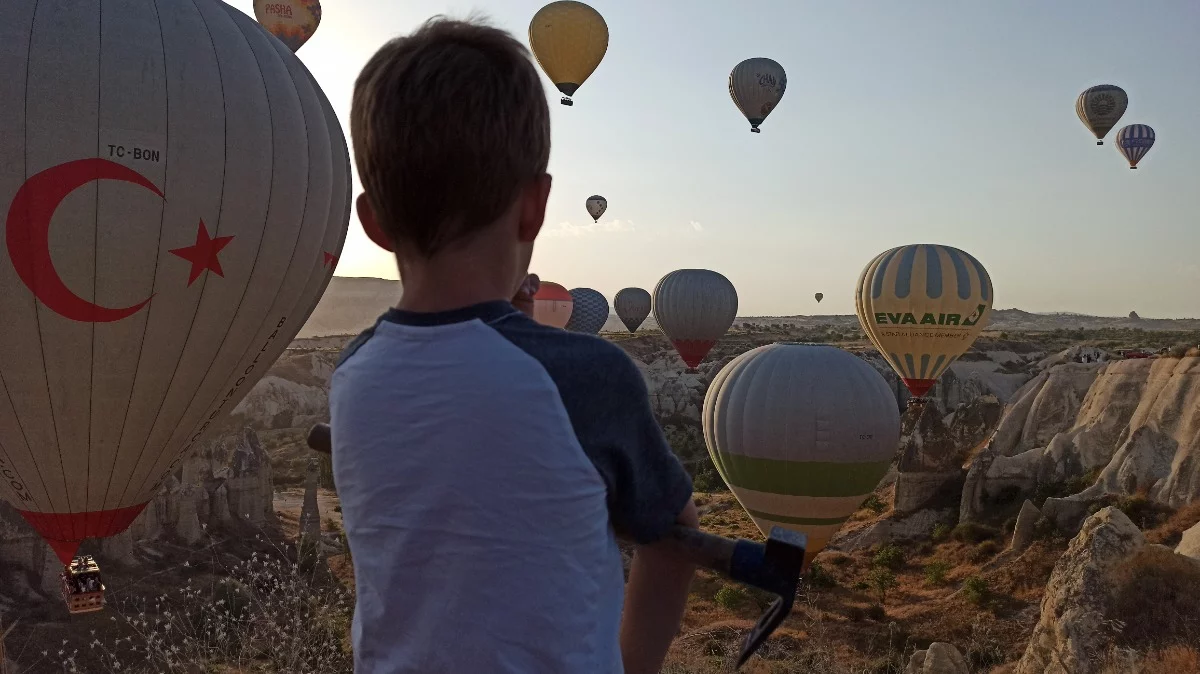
[{"x": 609, "y": 408}]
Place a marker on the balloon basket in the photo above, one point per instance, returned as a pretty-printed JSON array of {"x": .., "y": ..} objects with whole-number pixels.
[
  {"x": 1099, "y": 142},
  {"x": 566, "y": 101},
  {"x": 755, "y": 130},
  {"x": 916, "y": 402},
  {"x": 1132, "y": 168}
]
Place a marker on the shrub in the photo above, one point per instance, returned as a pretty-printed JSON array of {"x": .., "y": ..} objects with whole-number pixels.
[
  {"x": 730, "y": 597},
  {"x": 818, "y": 577},
  {"x": 985, "y": 551},
  {"x": 268, "y": 614},
  {"x": 856, "y": 614},
  {"x": 935, "y": 572},
  {"x": 941, "y": 531},
  {"x": 838, "y": 559},
  {"x": 874, "y": 504},
  {"x": 876, "y": 612},
  {"x": 889, "y": 556},
  {"x": 972, "y": 532},
  {"x": 882, "y": 580},
  {"x": 976, "y": 590}
]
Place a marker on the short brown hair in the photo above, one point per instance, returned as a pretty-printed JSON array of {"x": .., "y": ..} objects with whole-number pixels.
[{"x": 448, "y": 123}]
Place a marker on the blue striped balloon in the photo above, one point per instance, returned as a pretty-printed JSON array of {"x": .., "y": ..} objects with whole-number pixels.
[{"x": 1134, "y": 141}]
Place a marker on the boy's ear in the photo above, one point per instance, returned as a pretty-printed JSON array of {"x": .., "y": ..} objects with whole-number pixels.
[
  {"x": 533, "y": 208},
  {"x": 366, "y": 215}
]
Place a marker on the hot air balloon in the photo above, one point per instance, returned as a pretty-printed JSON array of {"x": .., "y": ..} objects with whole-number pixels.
[
  {"x": 694, "y": 308},
  {"x": 756, "y": 86},
  {"x": 819, "y": 296},
  {"x": 292, "y": 21},
  {"x": 923, "y": 306},
  {"x": 632, "y": 306},
  {"x": 180, "y": 204},
  {"x": 552, "y": 305},
  {"x": 589, "y": 312},
  {"x": 1100, "y": 108},
  {"x": 1134, "y": 141},
  {"x": 802, "y": 434},
  {"x": 596, "y": 205},
  {"x": 568, "y": 39}
]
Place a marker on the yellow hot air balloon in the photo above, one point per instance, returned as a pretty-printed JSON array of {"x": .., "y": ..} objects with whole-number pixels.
[
  {"x": 922, "y": 306},
  {"x": 569, "y": 40},
  {"x": 292, "y": 21}
]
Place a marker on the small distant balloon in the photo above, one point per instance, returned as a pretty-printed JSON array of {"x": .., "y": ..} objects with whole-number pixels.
[
  {"x": 756, "y": 86},
  {"x": 819, "y": 296},
  {"x": 1134, "y": 141},
  {"x": 1100, "y": 108},
  {"x": 632, "y": 306},
  {"x": 292, "y": 21},
  {"x": 596, "y": 205},
  {"x": 568, "y": 39}
]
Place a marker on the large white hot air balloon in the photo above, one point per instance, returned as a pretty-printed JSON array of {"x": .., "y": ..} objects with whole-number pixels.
[
  {"x": 176, "y": 195},
  {"x": 632, "y": 306},
  {"x": 694, "y": 308},
  {"x": 802, "y": 434}
]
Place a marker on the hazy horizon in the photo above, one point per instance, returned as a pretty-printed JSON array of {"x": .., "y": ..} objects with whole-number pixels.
[{"x": 937, "y": 122}]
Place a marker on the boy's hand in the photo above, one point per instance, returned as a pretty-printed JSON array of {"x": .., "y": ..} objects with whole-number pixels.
[{"x": 523, "y": 300}]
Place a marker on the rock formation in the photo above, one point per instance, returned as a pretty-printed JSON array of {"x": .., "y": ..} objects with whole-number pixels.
[
  {"x": 1025, "y": 527},
  {"x": 929, "y": 462},
  {"x": 1070, "y": 634},
  {"x": 939, "y": 658},
  {"x": 1189, "y": 545}
]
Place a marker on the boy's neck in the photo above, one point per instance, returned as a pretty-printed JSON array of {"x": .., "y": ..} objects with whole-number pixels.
[{"x": 443, "y": 288}]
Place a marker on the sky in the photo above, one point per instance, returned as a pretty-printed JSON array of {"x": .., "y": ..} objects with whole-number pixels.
[{"x": 937, "y": 121}]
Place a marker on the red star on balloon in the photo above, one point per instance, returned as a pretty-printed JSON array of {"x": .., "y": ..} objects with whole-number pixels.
[
  {"x": 330, "y": 259},
  {"x": 203, "y": 254}
]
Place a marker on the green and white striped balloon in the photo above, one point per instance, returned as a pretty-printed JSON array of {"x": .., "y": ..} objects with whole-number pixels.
[{"x": 802, "y": 434}]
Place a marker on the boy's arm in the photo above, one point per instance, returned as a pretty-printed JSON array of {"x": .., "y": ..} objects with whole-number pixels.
[{"x": 655, "y": 598}]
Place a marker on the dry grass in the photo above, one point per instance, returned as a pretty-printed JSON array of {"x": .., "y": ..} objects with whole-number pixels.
[
  {"x": 1169, "y": 532},
  {"x": 1156, "y": 599}
]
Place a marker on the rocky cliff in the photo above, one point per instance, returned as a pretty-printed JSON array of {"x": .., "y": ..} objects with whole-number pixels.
[{"x": 1121, "y": 427}]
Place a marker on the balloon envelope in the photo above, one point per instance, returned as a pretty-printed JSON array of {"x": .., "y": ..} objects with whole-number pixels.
[
  {"x": 694, "y": 308},
  {"x": 596, "y": 205},
  {"x": 552, "y": 305},
  {"x": 292, "y": 21},
  {"x": 589, "y": 312},
  {"x": 756, "y": 86},
  {"x": 1100, "y": 108},
  {"x": 802, "y": 434},
  {"x": 1134, "y": 141},
  {"x": 568, "y": 40},
  {"x": 923, "y": 306},
  {"x": 180, "y": 205},
  {"x": 632, "y": 306},
  {"x": 819, "y": 296}
]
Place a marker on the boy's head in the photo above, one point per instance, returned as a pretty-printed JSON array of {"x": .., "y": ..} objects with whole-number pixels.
[{"x": 451, "y": 135}]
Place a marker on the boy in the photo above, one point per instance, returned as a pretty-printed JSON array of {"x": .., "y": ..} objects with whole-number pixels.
[{"x": 485, "y": 462}]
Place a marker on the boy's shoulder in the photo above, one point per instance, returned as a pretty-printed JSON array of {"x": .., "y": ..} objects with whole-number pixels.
[{"x": 581, "y": 356}]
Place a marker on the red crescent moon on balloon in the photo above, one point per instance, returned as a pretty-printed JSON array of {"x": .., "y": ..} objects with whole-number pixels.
[{"x": 28, "y": 235}]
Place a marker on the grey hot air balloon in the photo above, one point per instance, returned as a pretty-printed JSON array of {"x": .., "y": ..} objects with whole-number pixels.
[
  {"x": 596, "y": 205},
  {"x": 632, "y": 306},
  {"x": 802, "y": 434},
  {"x": 1100, "y": 108},
  {"x": 756, "y": 86},
  {"x": 180, "y": 200},
  {"x": 819, "y": 296},
  {"x": 694, "y": 308},
  {"x": 590, "y": 312}
]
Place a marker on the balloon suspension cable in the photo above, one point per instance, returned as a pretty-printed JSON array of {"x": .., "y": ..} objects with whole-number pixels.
[{"x": 566, "y": 101}]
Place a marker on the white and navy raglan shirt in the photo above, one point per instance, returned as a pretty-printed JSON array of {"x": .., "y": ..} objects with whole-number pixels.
[{"x": 484, "y": 464}]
